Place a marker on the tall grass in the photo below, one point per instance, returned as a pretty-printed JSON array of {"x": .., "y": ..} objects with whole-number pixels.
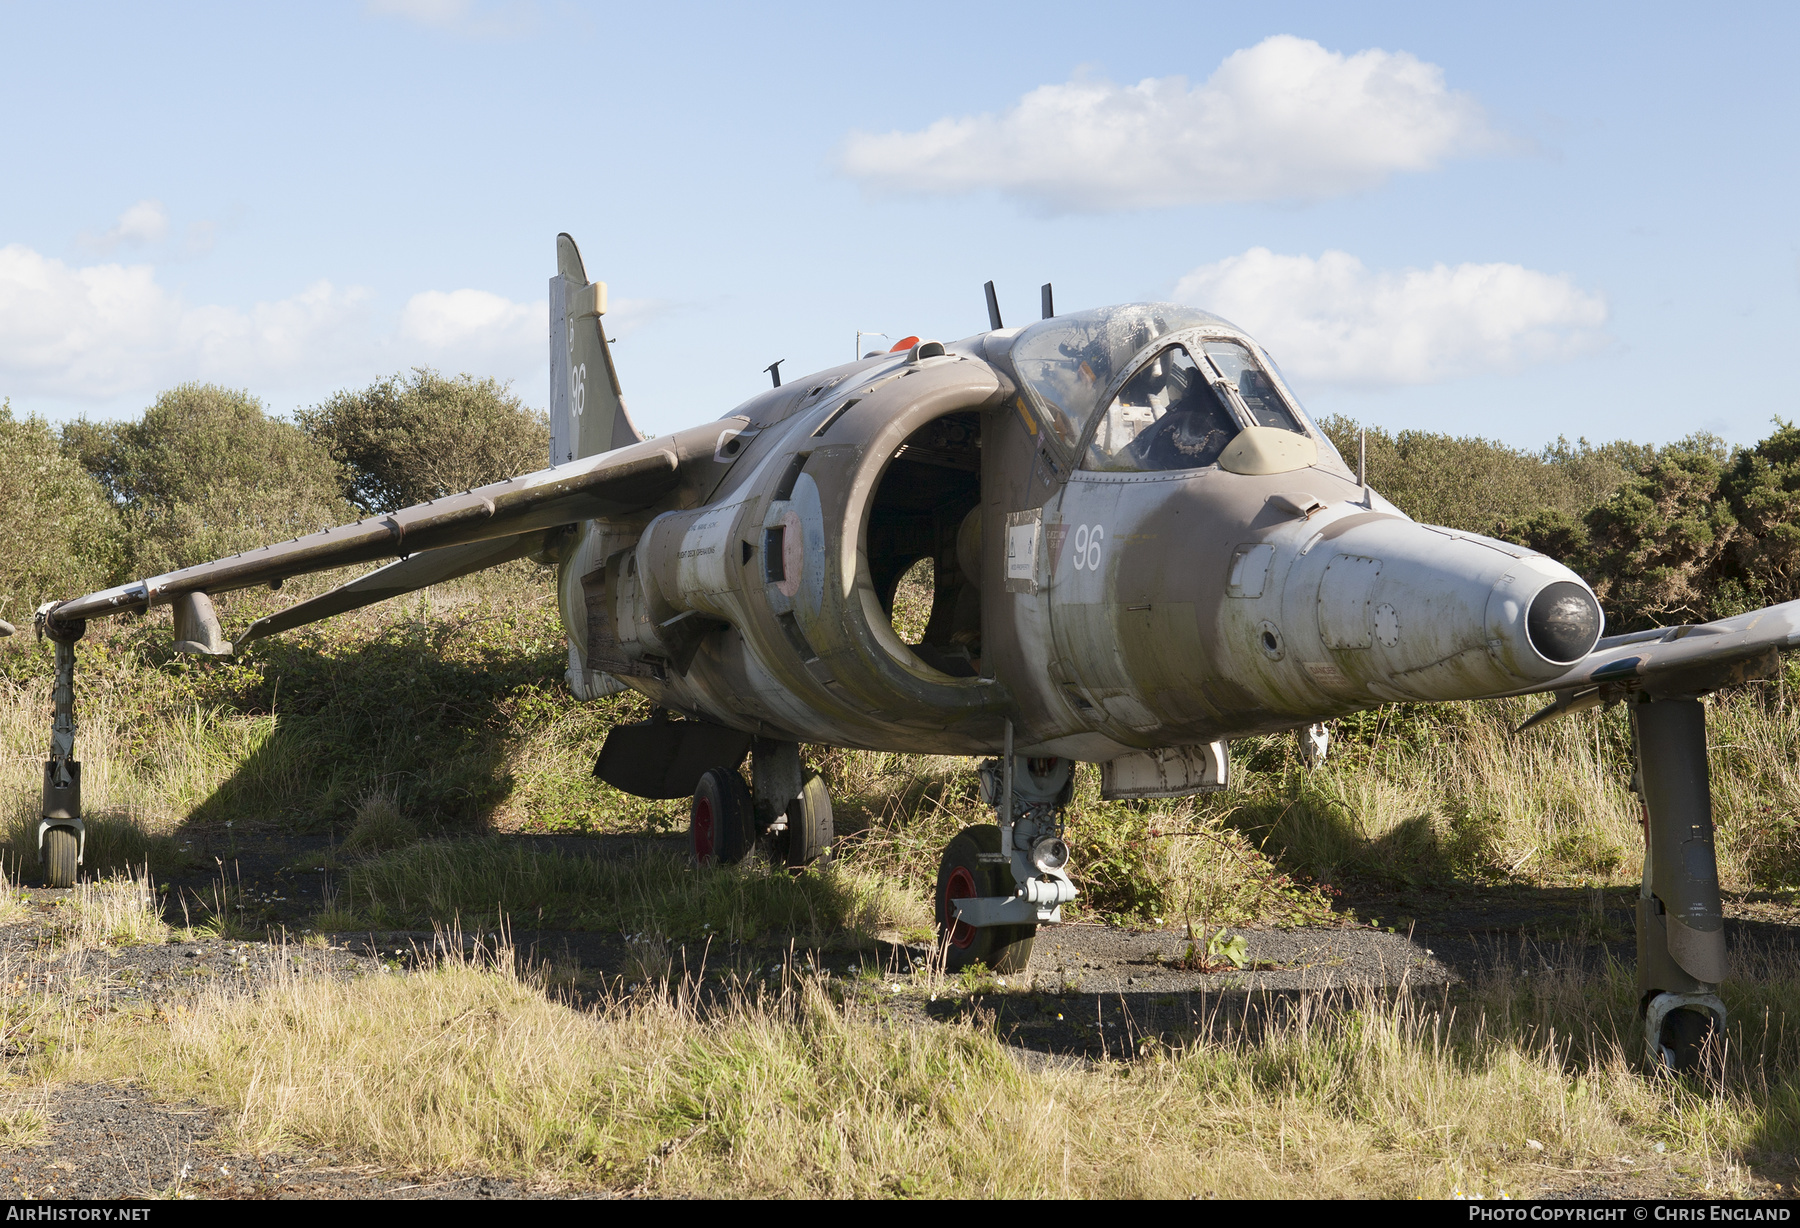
[
  {"x": 802, "y": 1089},
  {"x": 484, "y": 883}
]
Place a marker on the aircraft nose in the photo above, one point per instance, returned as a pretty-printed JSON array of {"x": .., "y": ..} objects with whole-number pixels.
[
  {"x": 1563, "y": 622},
  {"x": 1409, "y": 611},
  {"x": 1541, "y": 619}
]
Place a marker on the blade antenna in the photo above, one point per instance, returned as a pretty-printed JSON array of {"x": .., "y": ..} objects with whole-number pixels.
[
  {"x": 774, "y": 370},
  {"x": 1048, "y": 301},
  {"x": 1362, "y": 463},
  {"x": 993, "y": 301}
]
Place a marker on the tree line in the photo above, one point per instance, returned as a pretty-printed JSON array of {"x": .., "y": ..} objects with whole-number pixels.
[
  {"x": 1686, "y": 532},
  {"x": 207, "y": 471}
]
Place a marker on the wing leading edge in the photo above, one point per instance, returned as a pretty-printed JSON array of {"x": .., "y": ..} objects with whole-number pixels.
[
  {"x": 433, "y": 541},
  {"x": 1670, "y": 662}
]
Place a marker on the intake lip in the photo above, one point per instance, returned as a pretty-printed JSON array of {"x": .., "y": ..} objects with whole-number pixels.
[{"x": 1564, "y": 622}]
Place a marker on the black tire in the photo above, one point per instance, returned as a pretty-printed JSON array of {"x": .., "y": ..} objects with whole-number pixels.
[
  {"x": 962, "y": 872},
  {"x": 60, "y": 849},
  {"x": 1688, "y": 1040},
  {"x": 721, "y": 822},
  {"x": 810, "y": 826}
]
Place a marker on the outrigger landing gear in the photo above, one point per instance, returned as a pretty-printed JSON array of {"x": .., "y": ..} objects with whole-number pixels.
[
  {"x": 1680, "y": 922},
  {"x": 997, "y": 883},
  {"x": 785, "y": 810},
  {"x": 61, "y": 835}
]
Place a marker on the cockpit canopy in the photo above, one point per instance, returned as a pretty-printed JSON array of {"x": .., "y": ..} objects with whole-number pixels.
[{"x": 1178, "y": 410}]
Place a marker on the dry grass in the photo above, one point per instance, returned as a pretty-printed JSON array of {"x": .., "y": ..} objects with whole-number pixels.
[
  {"x": 114, "y": 912},
  {"x": 805, "y": 1091}
]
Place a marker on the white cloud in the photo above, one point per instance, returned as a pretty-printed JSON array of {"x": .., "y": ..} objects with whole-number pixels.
[
  {"x": 1334, "y": 321},
  {"x": 145, "y": 222},
  {"x": 107, "y": 329},
  {"x": 1285, "y": 119},
  {"x": 465, "y": 320}
]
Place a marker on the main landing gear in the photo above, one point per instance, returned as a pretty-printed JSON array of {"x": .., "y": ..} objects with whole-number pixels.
[
  {"x": 785, "y": 812},
  {"x": 997, "y": 882},
  {"x": 1680, "y": 922}
]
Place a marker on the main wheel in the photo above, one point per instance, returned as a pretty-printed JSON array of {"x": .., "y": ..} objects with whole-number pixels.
[
  {"x": 60, "y": 850},
  {"x": 721, "y": 825},
  {"x": 963, "y": 873},
  {"x": 810, "y": 827},
  {"x": 1687, "y": 1040}
]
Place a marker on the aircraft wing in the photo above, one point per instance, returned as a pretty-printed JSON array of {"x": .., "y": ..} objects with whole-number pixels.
[
  {"x": 405, "y": 576},
  {"x": 1677, "y": 661},
  {"x": 517, "y": 510}
]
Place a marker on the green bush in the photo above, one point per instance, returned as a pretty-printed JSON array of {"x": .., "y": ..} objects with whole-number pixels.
[
  {"x": 59, "y": 535},
  {"x": 408, "y": 439},
  {"x": 206, "y": 473},
  {"x": 1480, "y": 486}
]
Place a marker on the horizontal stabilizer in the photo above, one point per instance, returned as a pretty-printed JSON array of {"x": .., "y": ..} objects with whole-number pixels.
[{"x": 408, "y": 575}]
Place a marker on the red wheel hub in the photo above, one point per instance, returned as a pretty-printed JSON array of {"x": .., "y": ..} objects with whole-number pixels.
[
  {"x": 960, "y": 885},
  {"x": 700, "y": 830}
]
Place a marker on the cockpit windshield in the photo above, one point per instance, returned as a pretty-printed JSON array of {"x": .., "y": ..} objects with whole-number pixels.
[
  {"x": 1167, "y": 416},
  {"x": 1183, "y": 406},
  {"x": 1067, "y": 362}
]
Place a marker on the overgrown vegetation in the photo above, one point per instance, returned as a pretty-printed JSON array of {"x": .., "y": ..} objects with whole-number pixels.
[
  {"x": 423, "y": 735},
  {"x": 805, "y": 1088}
]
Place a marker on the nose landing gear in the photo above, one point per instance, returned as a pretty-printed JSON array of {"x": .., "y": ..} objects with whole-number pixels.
[{"x": 997, "y": 883}]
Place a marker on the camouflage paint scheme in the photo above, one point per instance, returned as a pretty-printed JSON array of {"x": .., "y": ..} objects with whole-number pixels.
[{"x": 1089, "y": 605}]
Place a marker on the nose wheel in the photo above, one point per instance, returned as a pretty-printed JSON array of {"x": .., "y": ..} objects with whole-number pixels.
[
  {"x": 61, "y": 849},
  {"x": 973, "y": 867}
]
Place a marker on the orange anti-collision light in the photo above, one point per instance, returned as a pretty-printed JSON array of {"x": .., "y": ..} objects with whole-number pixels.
[{"x": 905, "y": 343}]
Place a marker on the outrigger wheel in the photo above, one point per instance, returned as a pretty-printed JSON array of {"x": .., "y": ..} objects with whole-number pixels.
[
  {"x": 722, "y": 823},
  {"x": 61, "y": 848},
  {"x": 973, "y": 866}
]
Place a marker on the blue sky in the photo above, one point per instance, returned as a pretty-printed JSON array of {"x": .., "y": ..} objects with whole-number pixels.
[{"x": 1519, "y": 221}]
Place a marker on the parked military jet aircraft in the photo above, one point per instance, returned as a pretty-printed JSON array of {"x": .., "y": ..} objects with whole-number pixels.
[{"x": 1142, "y": 549}]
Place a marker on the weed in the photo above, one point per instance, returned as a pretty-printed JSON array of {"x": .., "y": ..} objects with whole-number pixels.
[
  {"x": 379, "y": 824},
  {"x": 113, "y": 912},
  {"x": 785, "y": 1088}
]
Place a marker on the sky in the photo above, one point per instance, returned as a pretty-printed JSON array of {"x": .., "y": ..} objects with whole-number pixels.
[{"x": 1520, "y": 221}]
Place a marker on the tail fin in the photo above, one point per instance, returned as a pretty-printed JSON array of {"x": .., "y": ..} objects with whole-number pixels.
[{"x": 587, "y": 411}]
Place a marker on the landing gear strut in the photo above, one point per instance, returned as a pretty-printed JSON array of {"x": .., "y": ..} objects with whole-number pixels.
[
  {"x": 997, "y": 883},
  {"x": 785, "y": 811},
  {"x": 1680, "y": 922},
  {"x": 61, "y": 835}
]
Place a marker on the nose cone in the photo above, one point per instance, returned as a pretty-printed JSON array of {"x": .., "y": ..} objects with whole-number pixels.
[
  {"x": 1380, "y": 607},
  {"x": 1541, "y": 619},
  {"x": 1564, "y": 621}
]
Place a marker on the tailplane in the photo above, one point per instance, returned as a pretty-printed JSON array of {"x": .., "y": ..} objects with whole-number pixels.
[{"x": 587, "y": 411}]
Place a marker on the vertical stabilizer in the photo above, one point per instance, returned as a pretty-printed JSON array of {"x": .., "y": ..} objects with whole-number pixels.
[{"x": 587, "y": 412}]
